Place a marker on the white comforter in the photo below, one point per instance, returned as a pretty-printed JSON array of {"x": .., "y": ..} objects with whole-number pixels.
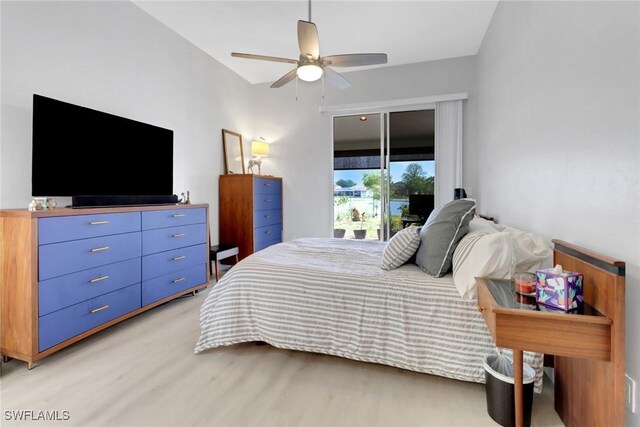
[{"x": 331, "y": 296}]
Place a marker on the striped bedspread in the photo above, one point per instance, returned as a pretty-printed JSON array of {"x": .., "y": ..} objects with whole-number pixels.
[{"x": 331, "y": 296}]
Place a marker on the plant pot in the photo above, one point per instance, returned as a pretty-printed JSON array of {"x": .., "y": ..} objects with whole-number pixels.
[
  {"x": 338, "y": 233},
  {"x": 359, "y": 234}
]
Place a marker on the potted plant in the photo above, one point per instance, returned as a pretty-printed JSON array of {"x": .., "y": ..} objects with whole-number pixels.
[
  {"x": 339, "y": 233},
  {"x": 360, "y": 234}
]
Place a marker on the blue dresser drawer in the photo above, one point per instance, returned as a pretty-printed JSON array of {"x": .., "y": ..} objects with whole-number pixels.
[
  {"x": 263, "y": 202},
  {"x": 265, "y": 234},
  {"x": 65, "y": 228},
  {"x": 267, "y": 186},
  {"x": 178, "y": 259},
  {"x": 173, "y": 283},
  {"x": 71, "y": 321},
  {"x": 173, "y": 218},
  {"x": 58, "y": 259},
  {"x": 63, "y": 291},
  {"x": 266, "y": 244},
  {"x": 165, "y": 239},
  {"x": 262, "y": 218}
]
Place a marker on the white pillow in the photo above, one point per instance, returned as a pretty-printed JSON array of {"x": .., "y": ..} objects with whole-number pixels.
[
  {"x": 481, "y": 224},
  {"x": 401, "y": 247},
  {"x": 481, "y": 254},
  {"x": 532, "y": 251}
]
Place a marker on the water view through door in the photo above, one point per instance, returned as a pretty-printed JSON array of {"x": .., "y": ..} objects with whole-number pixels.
[{"x": 371, "y": 196}]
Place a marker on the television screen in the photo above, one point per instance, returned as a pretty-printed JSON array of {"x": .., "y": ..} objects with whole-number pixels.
[
  {"x": 421, "y": 204},
  {"x": 80, "y": 151}
]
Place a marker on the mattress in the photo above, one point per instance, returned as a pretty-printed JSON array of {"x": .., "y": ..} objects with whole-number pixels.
[{"x": 331, "y": 296}]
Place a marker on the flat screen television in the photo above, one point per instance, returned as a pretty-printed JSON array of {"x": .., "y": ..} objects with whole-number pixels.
[
  {"x": 421, "y": 204},
  {"x": 78, "y": 151}
]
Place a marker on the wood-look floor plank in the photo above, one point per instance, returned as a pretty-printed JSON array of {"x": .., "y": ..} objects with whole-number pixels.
[{"x": 143, "y": 372}]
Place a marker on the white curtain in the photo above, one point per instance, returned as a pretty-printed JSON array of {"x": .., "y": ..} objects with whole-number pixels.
[{"x": 448, "y": 140}]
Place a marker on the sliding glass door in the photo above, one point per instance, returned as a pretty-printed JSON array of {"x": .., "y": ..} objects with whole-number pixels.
[
  {"x": 383, "y": 172},
  {"x": 357, "y": 178}
]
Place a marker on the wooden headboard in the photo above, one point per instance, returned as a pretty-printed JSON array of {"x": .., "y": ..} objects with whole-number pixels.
[{"x": 591, "y": 392}]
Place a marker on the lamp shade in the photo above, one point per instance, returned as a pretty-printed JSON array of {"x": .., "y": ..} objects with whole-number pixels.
[{"x": 259, "y": 148}]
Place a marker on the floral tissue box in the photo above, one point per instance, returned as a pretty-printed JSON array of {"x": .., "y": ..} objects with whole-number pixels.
[{"x": 558, "y": 288}]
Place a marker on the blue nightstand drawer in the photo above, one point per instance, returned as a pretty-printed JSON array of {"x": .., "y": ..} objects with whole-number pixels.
[
  {"x": 173, "y": 283},
  {"x": 265, "y": 234},
  {"x": 178, "y": 259},
  {"x": 173, "y": 218},
  {"x": 165, "y": 239},
  {"x": 58, "y": 259},
  {"x": 267, "y": 186},
  {"x": 263, "y": 202},
  {"x": 71, "y": 321},
  {"x": 263, "y": 218},
  {"x": 63, "y": 291},
  {"x": 65, "y": 228}
]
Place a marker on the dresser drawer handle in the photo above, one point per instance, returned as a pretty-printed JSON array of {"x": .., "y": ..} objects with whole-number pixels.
[
  {"x": 267, "y": 200},
  {"x": 99, "y": 279},
  {"x": 267, "y": 232},
  {"x": 179, "y": 235},
  {"x": 99, "y": 222},
  {"x": 267, "y": 184},
  {"x": 178, "y": 215},
  {"x": 482, "y": 308},
  {"x": 178, "y": 258},
  {"x": 179, "y": 279},
  {"x": 267, "y": 216},
  {"x": 95, "y": 310},
  {"x": 104, "y": 248}
]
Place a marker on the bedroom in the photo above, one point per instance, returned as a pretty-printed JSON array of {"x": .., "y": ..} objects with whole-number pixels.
[{"x": 551, "y": 83}]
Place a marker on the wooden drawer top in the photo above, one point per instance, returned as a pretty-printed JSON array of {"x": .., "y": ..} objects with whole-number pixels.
[{"x": 24, "y": 213}]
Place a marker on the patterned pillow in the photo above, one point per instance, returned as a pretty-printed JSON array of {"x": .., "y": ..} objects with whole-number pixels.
[{"x": 401, "y": 247}]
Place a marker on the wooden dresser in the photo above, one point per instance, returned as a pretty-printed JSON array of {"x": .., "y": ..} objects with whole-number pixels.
[
  {"x": 68, "y": 273},
  {"x": 250, "y": 212}
]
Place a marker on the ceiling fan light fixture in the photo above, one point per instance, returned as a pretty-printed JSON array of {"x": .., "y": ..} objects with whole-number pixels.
[{"x": 309, "y": 72}]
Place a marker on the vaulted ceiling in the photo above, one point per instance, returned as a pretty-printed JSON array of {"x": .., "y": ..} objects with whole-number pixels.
[{"x": 407, "y": 31}]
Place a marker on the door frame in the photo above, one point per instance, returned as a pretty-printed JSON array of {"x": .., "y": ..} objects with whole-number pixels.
[{"x": 385, "y": 114}]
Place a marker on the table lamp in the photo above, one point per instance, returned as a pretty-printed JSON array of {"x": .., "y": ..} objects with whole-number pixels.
[{"x": 260, "y": 149}]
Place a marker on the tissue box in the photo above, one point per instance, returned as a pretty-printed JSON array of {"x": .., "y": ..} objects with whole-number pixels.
[{"x": 562, "y": 291}]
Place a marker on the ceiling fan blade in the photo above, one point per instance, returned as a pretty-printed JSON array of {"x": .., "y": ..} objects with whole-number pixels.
[
  {"x": 355, "y": 59},
  {"x": 263, "y": 57},
  {"x": 336, "y": 79},
  {"x": 308, "y": 39},
  {"x": 285, "y": 79}
]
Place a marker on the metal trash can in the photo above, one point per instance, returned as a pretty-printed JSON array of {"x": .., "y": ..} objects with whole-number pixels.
[{"x": 498, "y": 375}]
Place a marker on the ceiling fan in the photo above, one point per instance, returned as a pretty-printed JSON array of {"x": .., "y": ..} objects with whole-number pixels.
[{"x": 311, "y": 66}]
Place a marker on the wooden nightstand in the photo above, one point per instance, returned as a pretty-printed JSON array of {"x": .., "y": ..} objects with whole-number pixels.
[{"x": 514, "y": 324}]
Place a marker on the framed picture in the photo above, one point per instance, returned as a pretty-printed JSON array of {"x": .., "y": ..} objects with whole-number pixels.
[{"x": 232, "y": 148}]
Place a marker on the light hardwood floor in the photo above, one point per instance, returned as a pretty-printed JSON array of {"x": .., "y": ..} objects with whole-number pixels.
[{"x": 143, "y": 372}]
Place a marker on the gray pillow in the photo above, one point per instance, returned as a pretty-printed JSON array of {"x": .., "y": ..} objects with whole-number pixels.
[
  {"x": 400, "y": 248},
  {"x": 440, "y": 235}
]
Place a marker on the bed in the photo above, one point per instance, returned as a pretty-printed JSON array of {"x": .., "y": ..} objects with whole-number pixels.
[{"x": 331, "y": 296}]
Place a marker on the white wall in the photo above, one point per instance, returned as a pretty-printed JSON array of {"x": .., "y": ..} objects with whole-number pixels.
[
  {"x": 113, "y": 57},
  {"x": 556, "y": 137},
  {"x": 302, "y": 150}
]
